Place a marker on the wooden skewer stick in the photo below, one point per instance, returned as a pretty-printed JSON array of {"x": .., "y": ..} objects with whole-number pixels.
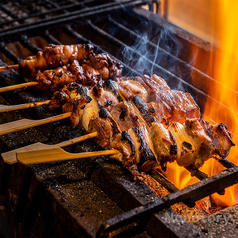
[
  {"x": 9, "y": 67},
  {"x": 6, "y": 108},
  {"x": 10, "y": 157},
  {"x": 27, "y": 123},
  {"x": 18, "y": 86},
  {"x": 56, "y": 154}
]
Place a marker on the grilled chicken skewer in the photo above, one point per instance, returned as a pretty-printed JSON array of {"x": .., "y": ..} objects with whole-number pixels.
[
  {"x": 83, "y": 69},
  {"x": 51, "y": 57},
  {"x": 125, "y": 124},
  {"x": 125, "y": 121},
  {"x": 74, "y": 97}
]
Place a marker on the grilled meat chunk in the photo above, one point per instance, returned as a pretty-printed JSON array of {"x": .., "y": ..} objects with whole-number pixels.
[
  {"x": 52, "y": 57},
  {"x": 124, "y": 116},
  {"x": 54, "y": 79},
  {"x": 73, "y": 98},
  {"x": 104, "y": 130},
  {"x": 107, "y": 67},
  {"x": 193, "y": 144},
  {"x": 164, "y": 146},
  {"x": 220, "y": 136},
  {"x": 84, "y": 74},
  {"x": 105, "y": 98},
  {"x": 132, "y": 88}
]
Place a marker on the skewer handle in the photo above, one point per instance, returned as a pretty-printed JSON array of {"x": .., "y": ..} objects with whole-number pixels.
[
  {"x": 18, "y": 86},
  {"x": 9, "y": 67},
  {"x": 56, "y": 154},
  {"x": 10, "y": 157},
  {"x": 27, "y": 123},
  {"x": 6, "y": 108}
]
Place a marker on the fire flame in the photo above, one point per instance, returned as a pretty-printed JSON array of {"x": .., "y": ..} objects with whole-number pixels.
[
  {"x": 222, "y": 102},
  {"x": 225, "y": 89}
]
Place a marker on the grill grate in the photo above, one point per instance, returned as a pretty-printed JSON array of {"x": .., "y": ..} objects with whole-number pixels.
[{"x": 98, "y": 31}]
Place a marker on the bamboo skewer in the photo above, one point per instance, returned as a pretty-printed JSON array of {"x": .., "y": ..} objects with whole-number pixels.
[
  {"x": 9, "y": 67},
  {"x": 10, "y": 157},
  {"x": 18, "y": 86},
  {"x": 56, "y": 154},
  {"x": 27, "y": 123},
  {"x": 6, "y": 108}
]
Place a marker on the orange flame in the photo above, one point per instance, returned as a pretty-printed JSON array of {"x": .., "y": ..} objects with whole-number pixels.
[
  {"x": 222, "y": 102},
  {"x": 225, "y": 87}
]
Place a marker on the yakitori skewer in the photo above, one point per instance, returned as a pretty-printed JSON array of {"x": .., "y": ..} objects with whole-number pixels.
[
  {"x": 57, "y": 154},
  {"x": 6, "y": 108},
  {"x": 146, "y": 121},
  {"x": 51, "y": 57},
  {"x": 52, "y": 75},
  {"x": 10, "y": 157},
  {"x": 28, "y": 123}
]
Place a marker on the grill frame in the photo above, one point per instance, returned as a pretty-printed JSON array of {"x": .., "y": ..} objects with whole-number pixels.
[{"x": 25, "y": 34}]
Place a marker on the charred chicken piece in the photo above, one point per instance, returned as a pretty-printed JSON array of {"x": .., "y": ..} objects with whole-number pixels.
[
  {"x": 73, "y": 98},
  {"x": 107, "y": 67},
  {"x": 106, "y": 127},
  {"x": 130, "y": 88},
  {"x": 54, "y": 79},
  {"x": 193, "y": 144},
  {"x": 125, "y": 116},
  {"x": 167, "y": 105},
  {"x": 52, "y": 57},
  {"x": 164, "y": 145},
  {"x": 87, "y": 74},
  {"x": 105, "y": 98},
  {"x": 221, "y": 138}
]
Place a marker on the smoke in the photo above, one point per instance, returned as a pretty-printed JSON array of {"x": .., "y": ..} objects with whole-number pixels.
[{"x": 152, "y": 49}]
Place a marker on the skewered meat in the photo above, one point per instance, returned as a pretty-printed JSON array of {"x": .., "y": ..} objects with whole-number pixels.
[
  {"x": 193, "y": 144},
  {"x": 144, "y": 119},
  {"x": 189, "y": 141},
  {"x": 126, "y": 122},
  {"x": 91, "y": 73},
  {"x": 220, "y": 136},
  {"x": 73, "y": 98},
  {"x": 52, "y": 57},
  {"x": 107, "y": 67},
  {"x": 127, "y": 114}
]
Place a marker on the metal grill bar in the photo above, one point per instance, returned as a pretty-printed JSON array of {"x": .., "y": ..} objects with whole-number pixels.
[
  {"x": 165, "y": 182},
  {"x": 226, "y": 163},
  {"x": 28, "y": 44},
  {"x": 193, "y": 193},
  {"x": 48, "y": 37},
  {"x": 9, "y": 53},
  {"x": 70, "y": 16},
  {"x": 56, "y": 9}
]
